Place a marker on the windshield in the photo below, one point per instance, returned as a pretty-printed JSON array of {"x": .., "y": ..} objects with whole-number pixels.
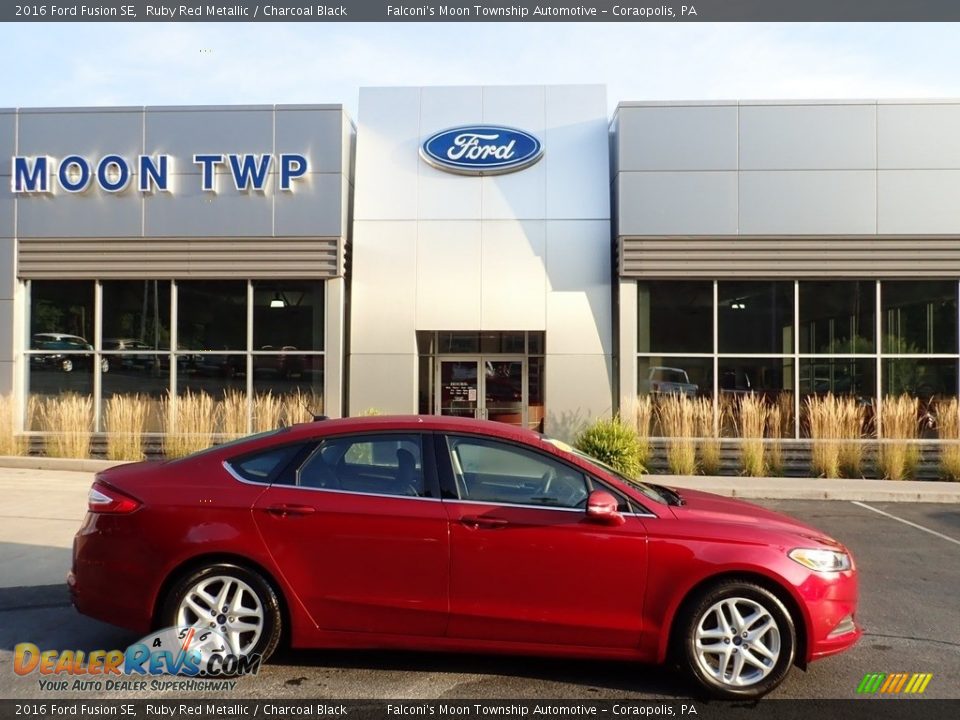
[
  {"x": 648, "y": 490},
  {"x": 669, "y": 375}
]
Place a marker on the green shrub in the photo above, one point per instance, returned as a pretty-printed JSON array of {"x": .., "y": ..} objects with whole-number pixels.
[{"x": 614, "y": 442}]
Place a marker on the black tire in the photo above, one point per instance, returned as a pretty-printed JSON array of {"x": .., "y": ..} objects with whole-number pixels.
[
  {"x": 272, "y": 627},
  {"x": 747, "y": 596}
]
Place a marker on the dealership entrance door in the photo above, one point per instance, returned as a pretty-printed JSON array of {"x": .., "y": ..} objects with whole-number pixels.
[
  {"x": 483, "y": 387},
  {"x": 488, "y": 375}
]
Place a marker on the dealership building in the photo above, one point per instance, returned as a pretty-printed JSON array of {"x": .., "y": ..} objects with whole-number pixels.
[{"x": 510, "y": 253}]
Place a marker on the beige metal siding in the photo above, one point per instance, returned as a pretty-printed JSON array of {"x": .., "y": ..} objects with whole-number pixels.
[
  {"x": 136, "y": 258},
  {"x": 794, "y": 257}
]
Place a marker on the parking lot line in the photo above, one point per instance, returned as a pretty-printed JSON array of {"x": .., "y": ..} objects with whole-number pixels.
[{"x": 907, "y": 522}]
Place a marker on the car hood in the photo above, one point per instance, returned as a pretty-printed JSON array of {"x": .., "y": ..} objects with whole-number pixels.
[{"x": 704, "y": 506}]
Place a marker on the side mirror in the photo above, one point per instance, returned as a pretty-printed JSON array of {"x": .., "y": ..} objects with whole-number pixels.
[{"x": 602, "y": 508}]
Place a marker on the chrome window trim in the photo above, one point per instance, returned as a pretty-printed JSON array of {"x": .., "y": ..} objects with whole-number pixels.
[
  {"x": 358, "y": 492},
  {"x": 237, "y": 477},
  {"x": 582, "y": 511}
]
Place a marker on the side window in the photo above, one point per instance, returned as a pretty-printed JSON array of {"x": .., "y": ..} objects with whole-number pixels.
[
  {"x": 261, "y": 467},
  {"x": 495, "y": 472},
  {"x": 376, "y": 464}
]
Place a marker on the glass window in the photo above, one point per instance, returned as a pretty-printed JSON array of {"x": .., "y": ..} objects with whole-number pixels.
[
  {"x": 919, "y": 317},
  {"x": 921, "y": 378},
  {"x": 535, "y": 393},
  {"x": 375, "y": 464},
  {"x": 294, "y": 381},
  {"x": 458, "y": 342},
  {"x": 768, "y": 376},
  {"x": 498, "y": 473},
  {"x": 673, "y": 375},
  {"x": 840, "y": 376},
  {"x": 211, "y": 374},
  {"x": 755, "y": 317},
  {"x": 136, "y": 315},
  {"x": 837, "y": 317},
  {"x": 288, "y": 315},
  {"x": 262, "y": 467},
  {"x": 212, "y": 315},
  {"x": 61, "y": 314},
  {"x": 675, "y": 317},
  {"x": 146, "y": 375}
]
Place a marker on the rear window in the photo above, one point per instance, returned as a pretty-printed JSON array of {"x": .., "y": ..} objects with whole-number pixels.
[{"x": 263, "y": 467}]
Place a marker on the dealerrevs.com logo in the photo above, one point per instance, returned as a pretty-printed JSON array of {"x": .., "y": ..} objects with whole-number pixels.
[{"x": 187, "y": 652}]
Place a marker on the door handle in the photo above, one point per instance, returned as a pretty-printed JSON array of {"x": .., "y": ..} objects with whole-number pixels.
[
  {"x": 286, "y": 509},
  {"x": 475, "y": 522}
]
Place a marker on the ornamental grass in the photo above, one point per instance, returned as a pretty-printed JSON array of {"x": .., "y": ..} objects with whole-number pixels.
[
  {"x": 752, "y": 415},
  {"x": 899, "y": 454},
  {"x": 643, "y": 419},
  {"x": 947, "y": 415},
  {"x": 125, "y": 421},
  {"x": 675, "y": 414},
  {"x": 775, "y": 433},
  {"x": 68, "y": 420},
  {"x": 232, "y": 412},
  {"x": 825, "y": 423},
  {"x": 267, "y": 412},
  {"x": 191, "y": 421},
  {"x": 707, "y": 429},
  {"x": 12, "y": 442}
]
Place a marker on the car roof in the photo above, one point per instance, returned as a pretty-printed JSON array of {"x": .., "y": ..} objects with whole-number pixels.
[
  {"x": 414, "y": 423},
  {"x": 58, "y": 336}
]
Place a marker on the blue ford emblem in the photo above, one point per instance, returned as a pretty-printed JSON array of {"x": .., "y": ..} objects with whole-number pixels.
[{"x": 481, "y": 150}]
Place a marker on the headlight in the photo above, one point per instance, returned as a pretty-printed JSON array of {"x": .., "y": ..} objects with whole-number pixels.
[{"x": 821, "y": 560}]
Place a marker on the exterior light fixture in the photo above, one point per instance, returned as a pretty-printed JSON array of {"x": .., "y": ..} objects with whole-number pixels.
[{"x": 278, "y": 301}]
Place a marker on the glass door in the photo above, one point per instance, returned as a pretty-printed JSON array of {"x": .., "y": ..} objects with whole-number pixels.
[
  {"x": 459, "y": 383},
  {"x": 487, "y": 387},
  {"x": 504, "y": 391}
]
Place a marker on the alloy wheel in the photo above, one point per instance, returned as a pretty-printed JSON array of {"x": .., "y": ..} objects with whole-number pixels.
[
  {"x": 227, "y": 605},
  {"x": 737, "y": 642}
]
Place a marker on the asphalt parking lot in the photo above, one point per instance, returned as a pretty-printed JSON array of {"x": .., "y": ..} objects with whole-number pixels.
[{"x": 910, "y": 605}]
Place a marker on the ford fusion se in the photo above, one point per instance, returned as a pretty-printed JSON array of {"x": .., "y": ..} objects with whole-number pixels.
[{"x": 436, "y": 533}]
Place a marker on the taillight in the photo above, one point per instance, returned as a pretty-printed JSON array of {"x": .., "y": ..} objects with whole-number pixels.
[{"x": 105, "y": 499}]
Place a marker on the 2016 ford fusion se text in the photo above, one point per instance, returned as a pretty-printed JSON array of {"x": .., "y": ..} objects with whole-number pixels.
[{"x": 440, "y": 533}]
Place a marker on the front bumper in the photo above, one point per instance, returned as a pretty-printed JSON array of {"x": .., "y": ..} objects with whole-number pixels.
[{"x": 831, "y": 601}]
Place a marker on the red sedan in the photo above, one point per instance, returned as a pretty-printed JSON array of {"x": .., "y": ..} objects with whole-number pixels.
[{"x": 438, "y": 533}]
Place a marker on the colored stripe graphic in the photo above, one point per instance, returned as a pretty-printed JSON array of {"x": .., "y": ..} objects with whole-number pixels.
[{"x": 894, "y": 683}]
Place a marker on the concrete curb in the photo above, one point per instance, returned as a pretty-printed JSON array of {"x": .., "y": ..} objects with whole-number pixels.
[
  {"x": 48, "y": 463},
  {"x": 817, "y": 488}
]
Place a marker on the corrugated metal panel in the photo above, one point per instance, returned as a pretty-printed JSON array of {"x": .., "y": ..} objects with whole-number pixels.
[
  {"x": 135, "y": 258},
  {"x": 794, "y": 257}
]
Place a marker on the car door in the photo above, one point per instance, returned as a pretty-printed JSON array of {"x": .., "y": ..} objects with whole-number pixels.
[
  {"x": 526, "y": 565},
  {"x": 359, "y": 533}
]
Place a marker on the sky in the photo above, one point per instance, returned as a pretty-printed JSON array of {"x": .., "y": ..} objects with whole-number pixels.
[{"x": 86, "y": 64}]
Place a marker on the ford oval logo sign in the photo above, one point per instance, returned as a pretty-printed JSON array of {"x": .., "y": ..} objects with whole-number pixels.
[{"x": 481, "y": 150}]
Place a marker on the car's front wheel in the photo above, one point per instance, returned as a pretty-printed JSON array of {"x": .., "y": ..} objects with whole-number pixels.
[
  {"x": 739, "y": 640},
  {"x": 233, "y": 601}
]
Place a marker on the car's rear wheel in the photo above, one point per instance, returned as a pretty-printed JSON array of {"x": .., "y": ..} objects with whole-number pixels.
[
  {"x": 66, "y": 365},
  {"x": 739, "y": 640},
  {"x": 233, "y": 601}
]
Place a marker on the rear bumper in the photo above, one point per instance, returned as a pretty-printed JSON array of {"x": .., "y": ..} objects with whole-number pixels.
[{"x": 107, "y": 579}]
